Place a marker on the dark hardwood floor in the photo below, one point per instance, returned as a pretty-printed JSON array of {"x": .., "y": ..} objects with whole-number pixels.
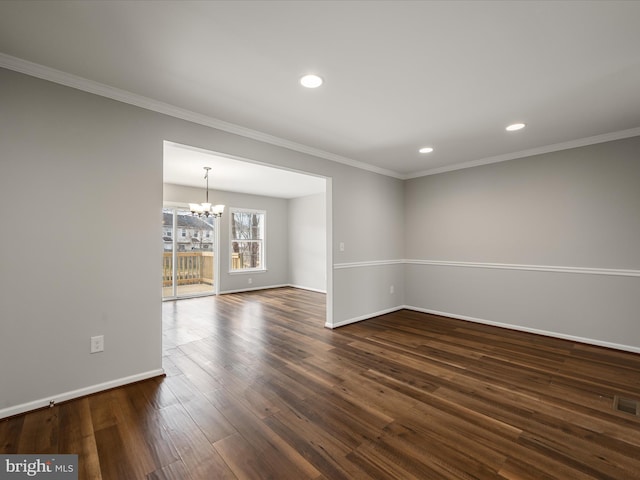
[{"x": 256, "y": 387}]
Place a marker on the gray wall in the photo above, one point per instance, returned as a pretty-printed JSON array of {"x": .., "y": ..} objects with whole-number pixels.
[
  {"x": 81, "y": 209},
  {"x": 80, "y": 191},
  {"x": 564, "y": 229},
  {"x": 308, "y": 242},
  {"x": 369, "y": 220},
  {"x": 547, "y": 243},
  {"x": 276, "y": 241}
]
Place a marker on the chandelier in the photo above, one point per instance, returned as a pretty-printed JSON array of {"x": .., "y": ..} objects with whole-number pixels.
[{"x": 206, "y": 209}]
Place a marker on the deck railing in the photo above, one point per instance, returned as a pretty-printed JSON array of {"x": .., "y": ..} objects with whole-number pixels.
[{"x": 192, "y": 268}]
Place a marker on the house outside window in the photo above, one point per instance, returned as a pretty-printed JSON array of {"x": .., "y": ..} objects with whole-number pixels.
[{"x": 247, "y": 240}]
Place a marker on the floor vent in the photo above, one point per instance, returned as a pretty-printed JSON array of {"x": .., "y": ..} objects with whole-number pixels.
[{"x": 626, "y": 405}]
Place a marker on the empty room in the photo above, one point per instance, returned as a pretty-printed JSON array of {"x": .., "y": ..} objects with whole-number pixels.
[{"x": 320, "y": 239}]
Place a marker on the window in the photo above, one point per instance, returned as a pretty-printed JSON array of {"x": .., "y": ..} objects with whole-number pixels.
[{"x": 247, "y": 240}]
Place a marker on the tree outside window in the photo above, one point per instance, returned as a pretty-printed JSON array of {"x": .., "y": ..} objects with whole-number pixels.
[{"x": 247, "y": 240}]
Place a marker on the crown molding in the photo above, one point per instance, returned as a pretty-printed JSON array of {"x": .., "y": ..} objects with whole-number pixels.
[
  {"x": 582, "y": 142},
  {"x": 103, "y": 90}
]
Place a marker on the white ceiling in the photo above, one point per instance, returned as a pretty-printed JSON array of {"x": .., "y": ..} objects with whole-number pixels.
[
  {"x": 184, "y": 165},
  {"x": 398, "y": 75}
]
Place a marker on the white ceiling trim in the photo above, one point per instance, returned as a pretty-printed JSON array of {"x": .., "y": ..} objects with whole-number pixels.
[
  {"x": 582, "y": 142},
  {"x": 97, "y": 88}
]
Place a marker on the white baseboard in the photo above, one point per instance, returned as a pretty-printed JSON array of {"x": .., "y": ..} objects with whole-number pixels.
[
  {"x": 240, "y": 290},
  {"x": 63, "y": 397},
  {"x": 573, "y": 338},
  {"x": 317, "y": 290},
  {"x": 252, "y": 289},
  {"x": 342, "y": 323},
  {"x": 546, "y": 333}
]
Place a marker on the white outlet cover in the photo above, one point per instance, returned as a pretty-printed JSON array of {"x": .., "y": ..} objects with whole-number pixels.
[{"x": 97, "y": 344}]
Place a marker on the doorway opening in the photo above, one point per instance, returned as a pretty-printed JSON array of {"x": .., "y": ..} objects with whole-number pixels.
[{"x": 297, "y": 236}]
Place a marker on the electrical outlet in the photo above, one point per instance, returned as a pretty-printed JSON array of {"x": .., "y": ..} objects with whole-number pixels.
[
  {"x": 97, "y": 344},
  {"x": 250, "y": 280},
  {"x": 392, "y": 289},
  {"x": 342, "y": 246}
]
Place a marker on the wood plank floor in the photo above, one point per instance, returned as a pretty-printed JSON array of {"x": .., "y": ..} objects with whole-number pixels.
[{"x": 257, "y": 388}]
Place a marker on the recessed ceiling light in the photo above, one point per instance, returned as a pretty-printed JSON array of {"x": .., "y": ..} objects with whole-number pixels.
[
  {"x": 311, "y": 81},
  {"x": 515, "y": 126},
  {"x": 426, "y": 150}
]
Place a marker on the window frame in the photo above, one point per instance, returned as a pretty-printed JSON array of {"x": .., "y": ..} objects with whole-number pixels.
[{"x": 262, "y": 241}]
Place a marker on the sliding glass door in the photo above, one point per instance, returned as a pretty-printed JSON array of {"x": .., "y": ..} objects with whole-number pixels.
[{"x": 189, "y": 256}]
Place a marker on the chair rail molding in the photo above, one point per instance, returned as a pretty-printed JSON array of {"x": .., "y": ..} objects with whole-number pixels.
[
  {"x": 536, "y": 268},
  {"x": 500, "y": 266}
]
